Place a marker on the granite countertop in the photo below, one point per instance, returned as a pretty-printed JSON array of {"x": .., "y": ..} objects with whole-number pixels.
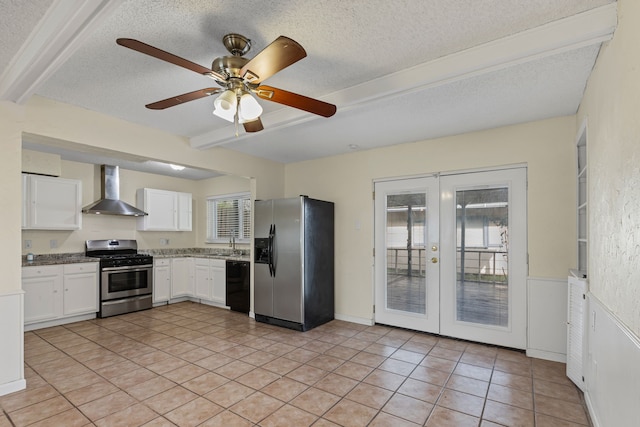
[
  {"x": 241, "y": 255},
  {"x": 79, "y": 257},
  {"x": 56, "y": 259}
]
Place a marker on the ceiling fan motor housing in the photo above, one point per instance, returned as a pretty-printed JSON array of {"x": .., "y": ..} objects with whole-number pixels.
[{"x": 237, "y": 44}]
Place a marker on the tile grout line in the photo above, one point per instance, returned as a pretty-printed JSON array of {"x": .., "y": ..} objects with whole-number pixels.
[{"x": 241, "y": 332}]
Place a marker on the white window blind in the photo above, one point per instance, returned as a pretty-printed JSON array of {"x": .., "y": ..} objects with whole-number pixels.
[{"x": 229, "y": 216}]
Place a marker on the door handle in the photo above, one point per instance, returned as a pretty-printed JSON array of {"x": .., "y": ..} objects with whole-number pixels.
[{"x": 272, "y": 267}]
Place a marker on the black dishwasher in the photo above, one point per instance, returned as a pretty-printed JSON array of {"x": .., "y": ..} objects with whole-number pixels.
[{"x": 238, "y": 291}]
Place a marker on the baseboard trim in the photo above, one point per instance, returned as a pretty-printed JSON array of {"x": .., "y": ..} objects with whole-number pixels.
[
  {"x": 13, "y": 386},
  {"x": 547, "y": 355},
  {"x": 592, "y": 413},
  {"x": 354, "y": 319},
  {"x": 58, "y": 322}
]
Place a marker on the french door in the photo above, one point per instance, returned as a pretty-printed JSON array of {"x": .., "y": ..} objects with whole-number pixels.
[
  {"x": 407, "y": 233},
  {"x": 450, "y": 255}
]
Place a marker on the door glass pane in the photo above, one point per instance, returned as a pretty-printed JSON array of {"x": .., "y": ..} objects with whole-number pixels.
[
  {"x": 405, "y": 233},
  {"x": 482, "y": 285}
]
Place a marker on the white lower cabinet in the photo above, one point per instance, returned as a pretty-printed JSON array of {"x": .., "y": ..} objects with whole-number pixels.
[
  {"x": 80, "y": 288},
  {"x": 204, "y": 279},
  {"x": 181, "y": 277},
  {"x": 58, "y": 292},
  {"x": 219, "y": 279},
  {"x": 161, "y": 280},
  {"x": 210, "y": 279},
  {"x": 42, "y": 288}
]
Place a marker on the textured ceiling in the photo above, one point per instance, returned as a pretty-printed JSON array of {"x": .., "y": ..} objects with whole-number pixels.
[
  {"x": 349, "y": 44},
  {"x": 17, "y": 19}
]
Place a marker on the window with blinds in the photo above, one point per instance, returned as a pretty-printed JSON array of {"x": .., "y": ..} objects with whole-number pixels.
[{"x": 229, "y": 216}]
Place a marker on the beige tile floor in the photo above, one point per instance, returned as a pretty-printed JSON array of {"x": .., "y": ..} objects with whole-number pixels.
[{"x": 193, "y": 365}]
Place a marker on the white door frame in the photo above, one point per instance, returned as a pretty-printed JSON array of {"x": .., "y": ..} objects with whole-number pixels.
[{"x": 515, "y": 335}]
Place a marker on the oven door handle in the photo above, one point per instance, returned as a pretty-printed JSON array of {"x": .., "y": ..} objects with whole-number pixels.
[{"x": 129, "y": 268}]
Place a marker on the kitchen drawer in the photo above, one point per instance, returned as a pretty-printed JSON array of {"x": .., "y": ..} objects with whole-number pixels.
[
  {"x": 162, "y": 262},
  {"x": 218, "y": 262},
  {"x": 202, "y": 261},
  {"x": 40, "y": 271},
  {"x": 85, "y": 267}
]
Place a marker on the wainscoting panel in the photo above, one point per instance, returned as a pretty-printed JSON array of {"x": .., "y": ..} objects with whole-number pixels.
[
  {"x": 611, "y": 372},
  {"x": 547, "y": 319},
  {"x": 12, "y": 338}
]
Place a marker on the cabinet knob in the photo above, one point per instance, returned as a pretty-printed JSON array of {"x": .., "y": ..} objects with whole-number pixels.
[{"x": 434, "y": 260}]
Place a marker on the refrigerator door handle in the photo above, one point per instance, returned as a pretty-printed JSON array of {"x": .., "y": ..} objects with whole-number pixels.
[
  {"x": 272, "y": 237},
  {"x": 270, "y": 250}
]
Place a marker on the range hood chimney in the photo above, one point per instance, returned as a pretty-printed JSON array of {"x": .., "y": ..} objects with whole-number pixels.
[{"x": 110, "y": 203}]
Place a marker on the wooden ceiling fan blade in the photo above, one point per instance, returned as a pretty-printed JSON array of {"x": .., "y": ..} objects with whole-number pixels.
[
  {"x": 281, "y": 53},
  {"x": 168, "y": 57},
  {"x": 181, "y": 99},
  {"x": 253, "y": 125},
  {"x": 295, "y": 100}
]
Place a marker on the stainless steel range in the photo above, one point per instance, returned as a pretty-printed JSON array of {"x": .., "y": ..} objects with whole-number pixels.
[{"x": 126, "y": 277}]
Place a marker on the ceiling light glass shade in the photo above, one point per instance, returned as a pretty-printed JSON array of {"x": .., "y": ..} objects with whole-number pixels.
[
  {"x": 176, "y": 167},
  {"x": 227, "y": 101},
  {"x": 228, "y": 115},
  {"x": 250, "y": 109}
]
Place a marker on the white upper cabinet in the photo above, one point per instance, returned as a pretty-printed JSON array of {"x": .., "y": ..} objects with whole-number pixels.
[
  {"x": 184, "y": 212},
  {"x": 161, "y": 206},
  {"x": 167, "y": 210},
  {"x": 51, "y": 203}
]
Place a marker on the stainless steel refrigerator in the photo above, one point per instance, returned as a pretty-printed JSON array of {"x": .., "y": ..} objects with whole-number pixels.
[{"x": 294, "y": 262}]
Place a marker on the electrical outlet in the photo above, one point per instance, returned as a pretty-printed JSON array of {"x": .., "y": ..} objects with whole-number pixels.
[
  {"x": 164, "y": 242},
  {"x": 27, "y": 244},
  {"x": 53, "y": 243}
]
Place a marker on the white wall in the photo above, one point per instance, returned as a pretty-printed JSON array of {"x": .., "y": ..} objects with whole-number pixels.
[
  {"x": 77, "y": 128},
  {"x": 11, "y": 355},
  {"x": 611, "y": 106},
  {"x": 11, "y": 123},
  {"x": 547, "y": 147}
]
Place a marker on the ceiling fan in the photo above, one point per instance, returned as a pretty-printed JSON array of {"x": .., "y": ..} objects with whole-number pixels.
[{"x": 238, "y": 78}]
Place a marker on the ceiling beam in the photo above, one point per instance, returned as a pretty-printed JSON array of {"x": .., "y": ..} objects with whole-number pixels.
[
  {"x": 584, "y": 29},
  {"x": 60, "y": 32}
]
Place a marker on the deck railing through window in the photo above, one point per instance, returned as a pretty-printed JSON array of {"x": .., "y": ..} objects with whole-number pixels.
[{"x": 480, "y": 265}]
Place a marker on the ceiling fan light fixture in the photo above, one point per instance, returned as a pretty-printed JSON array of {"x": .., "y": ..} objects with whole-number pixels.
[
  {"x": 227, "y": 115},
  {"x": 226, "y": 101},
  {"x": 250, "y": 109}
]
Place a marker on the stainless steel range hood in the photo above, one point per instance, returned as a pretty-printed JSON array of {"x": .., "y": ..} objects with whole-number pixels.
[{"x": 110, "y": 203}]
